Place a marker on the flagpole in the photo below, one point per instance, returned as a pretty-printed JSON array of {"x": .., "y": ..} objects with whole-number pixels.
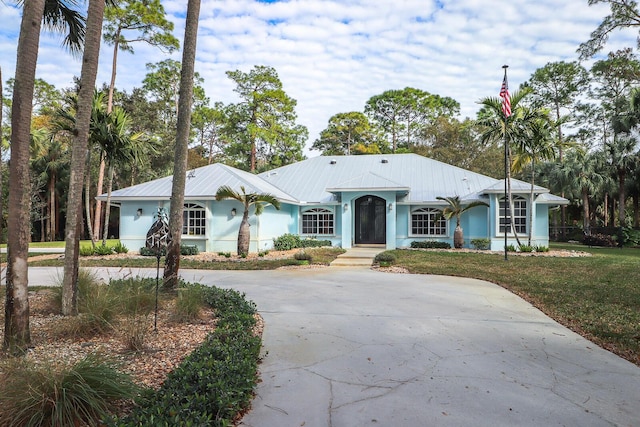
[{"x": 506, "y": 165}]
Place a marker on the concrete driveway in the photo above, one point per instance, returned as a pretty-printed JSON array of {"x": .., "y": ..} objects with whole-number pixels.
[{"x": 355, "y": 347}]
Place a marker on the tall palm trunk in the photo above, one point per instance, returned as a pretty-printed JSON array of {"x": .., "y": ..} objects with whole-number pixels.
[
  {"x": 531, "y": 195},
  {"x": 107, "y": 208},
  {"x": 87, "y": 200},
  {"x": 509, "y": 196},
  {"x": 73, "y": 228},
  {"x": 586, "y": 221},
  {"x": 97, "y": 215},
  {"x": 172, "y": 260},
  {"x": 244, "y": 234},
  {"x": 17, "y": 335}
]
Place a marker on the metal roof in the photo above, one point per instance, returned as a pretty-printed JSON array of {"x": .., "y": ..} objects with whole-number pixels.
[
  {"x": 202, "y": 183},
  {"x": 415, "y": 178}
]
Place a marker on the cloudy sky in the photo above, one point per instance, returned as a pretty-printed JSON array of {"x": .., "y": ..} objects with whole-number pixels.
[{"x": 333, "y": 55}]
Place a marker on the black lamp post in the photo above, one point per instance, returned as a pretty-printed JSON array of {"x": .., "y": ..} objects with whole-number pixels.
[{"x": 158, "y": 238}]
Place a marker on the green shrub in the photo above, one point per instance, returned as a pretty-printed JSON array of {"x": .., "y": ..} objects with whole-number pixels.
[
  {"x": 303, "y": 256},
  {"x": 286, "y": 242},
  {"x": 385, "y": 257},
  {"x": 86, "y": 251},
  {"x": 481, "y": 244},
  {"x": 430, "y": 244},
  {"x": 216, "y": 381},
  {"x": 103, "y": 250},
  {"x": 510, "y": 248},
  {"x": 262, "y": 254},
  {"x": 189, "y": 250},
  {"x": 45, "y": 395},
  {"x": 119, "y": 248},
  {"x": 526, "y": 248},
  {"x": 541, "y": 249},
  {"x": 631, "y": 236},
  {"x": 600, "y": 240},
  {"x": 184, "y": 250},
  {"x": 314, "y": 243}
]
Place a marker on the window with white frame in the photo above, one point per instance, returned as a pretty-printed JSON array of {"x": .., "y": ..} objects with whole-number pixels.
[
  {"x": 317, "y": 221},
  {"x": 194, "y": 220},
  {"x": 519, "y": 215},
  {"x": 428, "y": 222}
]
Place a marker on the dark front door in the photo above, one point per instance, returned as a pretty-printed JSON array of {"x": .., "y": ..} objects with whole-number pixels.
[{"x": 371, "y": 220}]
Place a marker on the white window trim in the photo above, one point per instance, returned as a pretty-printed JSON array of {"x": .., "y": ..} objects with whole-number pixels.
[
  {"x": 318, "y": 210},
  {"x": 526, "y": 215},
  {"x": 435, "y": 209},
  {"x": 191, "y": 206}
]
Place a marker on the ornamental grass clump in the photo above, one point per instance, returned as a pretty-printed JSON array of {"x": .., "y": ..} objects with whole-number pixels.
[{"x": 49, "y": 395}]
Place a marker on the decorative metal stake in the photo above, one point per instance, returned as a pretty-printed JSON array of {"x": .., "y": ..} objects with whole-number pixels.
[{"x": 158, "y": 238}]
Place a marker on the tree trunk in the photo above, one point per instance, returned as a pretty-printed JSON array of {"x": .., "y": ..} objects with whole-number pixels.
[
  {"x": 172, "y": 260},
  {"x": 244, "y": 233},
  {"x": 586, "y": 224},
  {"x": 636, "y": 211},
  {"x": 458, "y": 237},
  {"x": 52, "y": 207},
  {"x": 107, "y": 208},
  {"x": 87, "y": 200},
  {"x": 17, "y": 335},
  {"x": 73, "y": 228},
  {"x": 97, "y": 215},
  {"x": 533, "y": 177},
  {"x": 621, "y": 198},
  {"x": 1, "y": 186}
]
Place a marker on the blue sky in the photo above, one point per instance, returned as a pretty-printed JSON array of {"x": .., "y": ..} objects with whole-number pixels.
[{"x": 332, "y": 56}]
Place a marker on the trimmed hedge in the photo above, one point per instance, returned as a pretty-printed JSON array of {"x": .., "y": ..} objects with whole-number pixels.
[
  {"x": 291, "y": 241},
  {"x": 599, "y": 240},
  {"x": 216, "y": 381},
  {"x": 184, "y": 250},
  {"x": 430, "y": 244}
]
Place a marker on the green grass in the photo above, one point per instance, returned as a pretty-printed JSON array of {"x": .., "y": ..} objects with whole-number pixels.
[
  {"x": 83, "y": 243},
  {"x": 596, "y": 296},
  {"x": 320, "y": 256}
]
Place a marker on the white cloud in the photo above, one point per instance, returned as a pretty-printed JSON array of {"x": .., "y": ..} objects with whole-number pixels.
[{"x": 333, "y": 55}]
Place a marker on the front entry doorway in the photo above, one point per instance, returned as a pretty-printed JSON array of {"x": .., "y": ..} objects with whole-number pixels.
[{"x": 370, "y": 221}]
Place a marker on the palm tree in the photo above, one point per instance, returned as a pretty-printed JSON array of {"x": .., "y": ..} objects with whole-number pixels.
[
  {"x": 510, "y": 130},
  {"x": 183, "y": 128},
  {"x": 118, "y": 145},
  {"x": 258, "y": 200},
  {"x": 455, "y": 209},
  {"x": 17, "y": 335},
  {"x": 537, "y": 145},
  {"x": 73, "y": 225}
]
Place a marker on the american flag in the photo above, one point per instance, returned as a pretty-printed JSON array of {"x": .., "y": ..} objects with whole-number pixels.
[{"x": 506, "y": 98}]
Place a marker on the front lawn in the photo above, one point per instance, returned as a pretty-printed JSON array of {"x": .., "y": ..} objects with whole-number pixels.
[{"x": 596, "y": 296}]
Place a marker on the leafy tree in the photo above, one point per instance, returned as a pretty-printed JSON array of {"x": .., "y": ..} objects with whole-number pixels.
[
  {"x": 404, "y": 113},
  {"x": 261, "y": 127},
  {"x": 73, "y": 225},
  {"x": 624, "y": 14},
  {"x": 187, "y": 74},
  {"x": 511, "y": 130},
  {"x": 17, "y": 334},
  {"x": 126, "y": 23},
  {"x": 454, "y": 209},
  {"x": 537, "y": 145},
  {"x": 557, "y": 87},
  {"x": 344, "y": 131},
  {"x": 258, "y": 200},
  {"x": 208, "y": 123}
]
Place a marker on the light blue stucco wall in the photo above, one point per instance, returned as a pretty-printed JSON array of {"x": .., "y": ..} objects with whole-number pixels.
[
  {"x": 540, "y": 235},
  {"x": 222, "y": 227},
  {"x": 347, "y": 216}
]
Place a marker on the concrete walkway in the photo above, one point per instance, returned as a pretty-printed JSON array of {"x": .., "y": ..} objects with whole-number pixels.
[
  {"x": 355, "y": 347},
  {"x": 360, "y": 256}
]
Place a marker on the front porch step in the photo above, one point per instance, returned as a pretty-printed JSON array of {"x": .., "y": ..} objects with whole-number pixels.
[{"x": 357, "y": 257}]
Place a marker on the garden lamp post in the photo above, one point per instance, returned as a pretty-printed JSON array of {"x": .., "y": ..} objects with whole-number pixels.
[{"x": 158, "y": 238}]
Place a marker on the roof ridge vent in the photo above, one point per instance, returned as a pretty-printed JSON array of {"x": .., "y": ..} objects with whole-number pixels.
[
  {"x": 384, "y": 161},
  {"x": 333, "y": 162}
]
